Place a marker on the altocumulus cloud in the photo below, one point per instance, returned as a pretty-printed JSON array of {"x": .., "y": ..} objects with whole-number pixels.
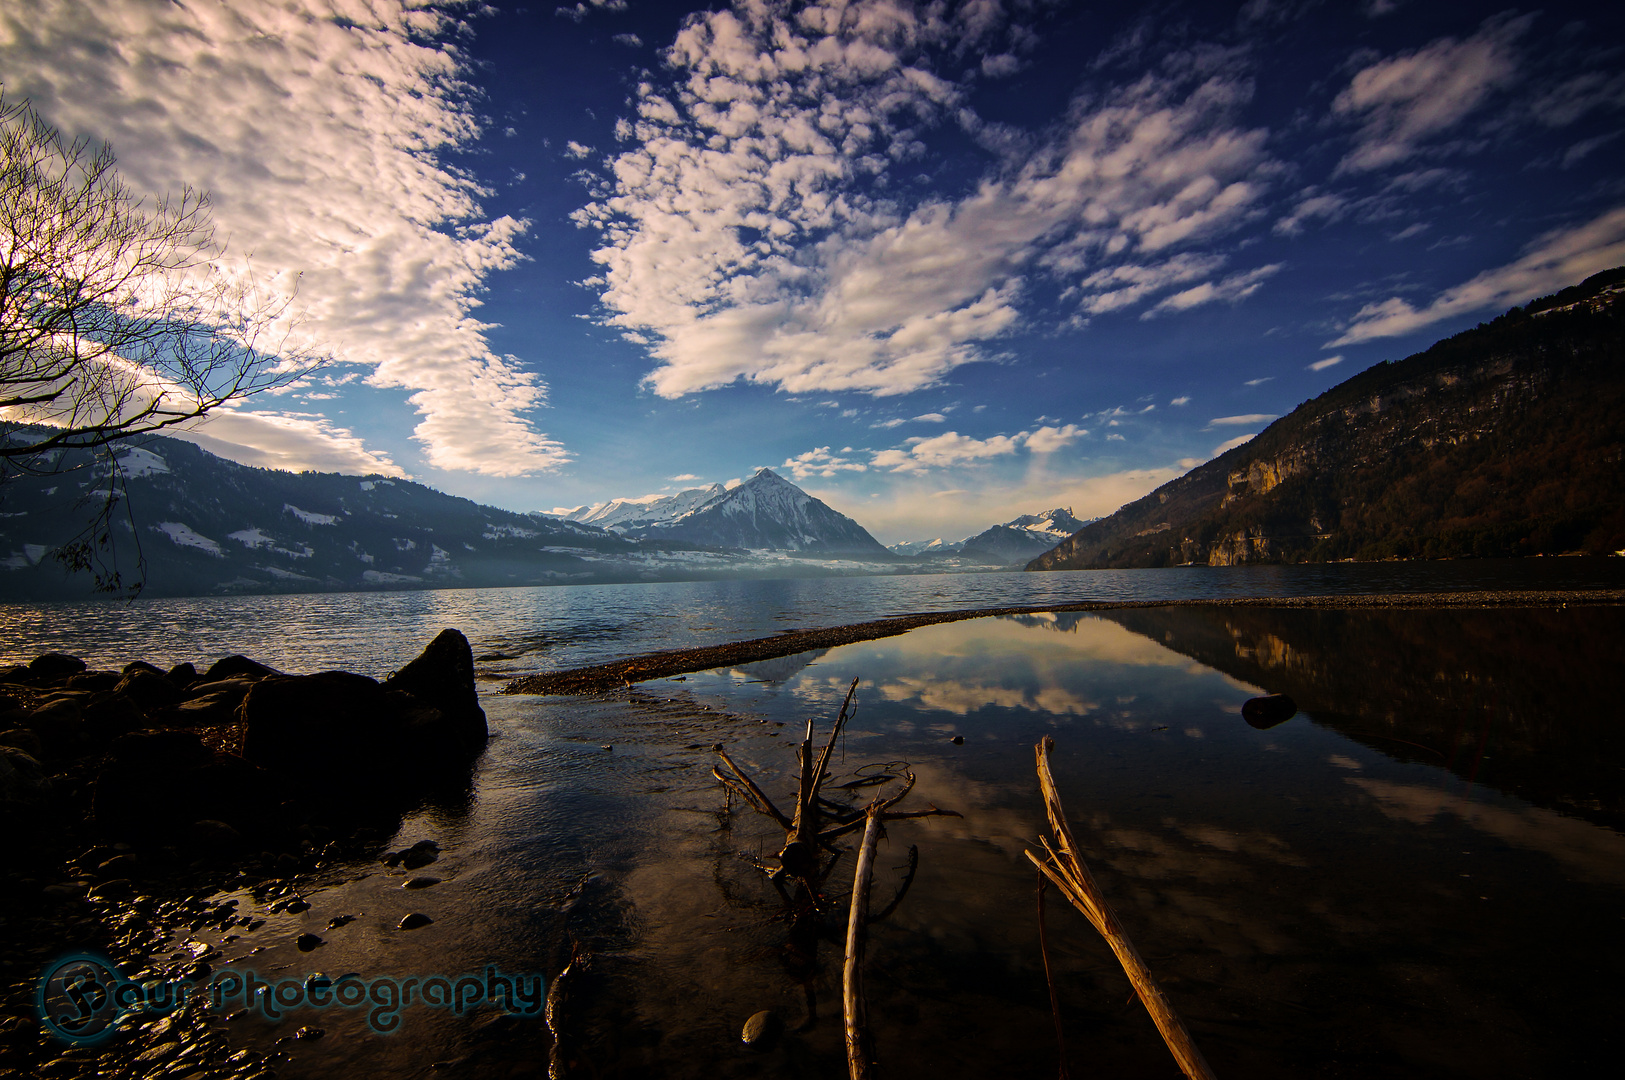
[
  {"x": 316, "y": 127},
  {"x": 749, "y": 234}
]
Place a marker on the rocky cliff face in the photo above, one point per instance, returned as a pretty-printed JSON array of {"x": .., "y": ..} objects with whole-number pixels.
[{"x": 1503, "y": 440}]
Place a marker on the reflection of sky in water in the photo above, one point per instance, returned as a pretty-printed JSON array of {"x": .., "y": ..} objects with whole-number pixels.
[
  {"x": 1292, "y": 876},
  {"x": 1308, "y": 902}
]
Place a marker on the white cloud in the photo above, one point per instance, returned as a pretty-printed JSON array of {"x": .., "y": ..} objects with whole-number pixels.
[
  {"x": 1048, "y": 439},
  {"x": 1322, "y": 365},
  {"x": 951, "y": 448},
  {"x": 1406, "y": 100},
  {"x": 284, "y": 440},
  {"x": 1239, "y": 421},
  {"x": 682, "y": 478},
  {"x": 1184, "y": 399},
  {"x": 629, "y": 40},
  {"x": 1312, "y": 205},
  {"x": 579, "y": 11},
  {"x": 1232, "y": 289},
  {"x": 896, "y": 421},
  {"x": 743, "y": 233},
  {"x": 1231, "y": 444},
  {"x": 573, "y": 149},
  {"x": 1260, "y": 382},
  {"x": 931, "y": 418},
  {"x": 820, "y": 462},
  {"x": 1553, "y": 261},
  {"x": 318, "y": 138},
  {"x": 1114, "y": 437}
]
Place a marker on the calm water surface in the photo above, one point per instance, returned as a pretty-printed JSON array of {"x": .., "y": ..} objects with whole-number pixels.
[
  {"x": 1422, "y": 874},
  {"x": 544, "y": 629}
]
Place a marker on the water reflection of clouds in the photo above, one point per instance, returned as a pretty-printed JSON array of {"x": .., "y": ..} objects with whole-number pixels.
[
  {"x": 1041, "y": 663},
  {"x": 1586, "y": 852},
  {"x": 962, "y": 698}
]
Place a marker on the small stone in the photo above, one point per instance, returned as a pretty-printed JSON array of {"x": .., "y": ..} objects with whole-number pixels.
[
  {"x": 298, "y": 906},
  {"x": 340, "y": 920},
  {"x": 421, "y": 882},
  {"x": 309, "y": 1034},
  {"x": 1267, "y": 712},
  {"x": 958, "y": 740},
  {"x": 307, "y": 942},
  {"x": 762, "y": 1029},
  {"x": 415, "y": 920}
]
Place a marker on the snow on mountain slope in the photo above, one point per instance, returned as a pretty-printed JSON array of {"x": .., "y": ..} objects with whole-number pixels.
[
  {"x": 649, "y": 511},
  {"x": 769, "y": 512}
]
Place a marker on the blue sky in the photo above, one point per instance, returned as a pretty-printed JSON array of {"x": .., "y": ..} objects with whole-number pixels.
[{"x": 939, "y": 263}]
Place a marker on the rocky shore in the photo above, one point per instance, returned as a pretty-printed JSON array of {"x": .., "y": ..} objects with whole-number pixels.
[
  {"x": 130, "y": 797},
  {"x": 600, "y": 677}
]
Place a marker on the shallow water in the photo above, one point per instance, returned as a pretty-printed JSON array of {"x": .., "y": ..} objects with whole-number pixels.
[{"x": 1420, "y": 874}]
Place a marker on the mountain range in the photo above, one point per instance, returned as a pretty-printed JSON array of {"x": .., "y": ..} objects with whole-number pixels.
[
  {"x": 190, "y": 523},
  {"x": 1014, "y": 541},
  {"x": 1506, "y": 439},
  {"x": 765, "y": 512}
]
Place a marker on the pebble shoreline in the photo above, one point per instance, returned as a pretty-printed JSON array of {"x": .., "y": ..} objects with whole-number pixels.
[{"x": 597, "y": 678}]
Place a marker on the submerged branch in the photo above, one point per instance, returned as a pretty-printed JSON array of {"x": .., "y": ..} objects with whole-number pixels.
[{"x": 1066, "y": 869}]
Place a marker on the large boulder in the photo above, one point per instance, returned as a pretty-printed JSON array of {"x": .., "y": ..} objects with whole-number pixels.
[
  {"x": 147, "y": 691},
  {"x": 54, "y": 667},
  {"x": 443, "y": 676},
  {"x": 347, "y": 733},
  {"x": 237, "y": 667},
  {"x": 156, "y": 783}
]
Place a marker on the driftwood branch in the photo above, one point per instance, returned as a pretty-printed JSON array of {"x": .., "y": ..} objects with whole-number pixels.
[
  {"x": 853, "y": 1007},
  {"x": 1066, "y": 869},
  {"x": 754, "y": 795}
]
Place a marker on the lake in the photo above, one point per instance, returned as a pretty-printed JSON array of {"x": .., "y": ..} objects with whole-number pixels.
[
  {"x": 549, "y": 628},
  {"x": 1420, "y": 874}
]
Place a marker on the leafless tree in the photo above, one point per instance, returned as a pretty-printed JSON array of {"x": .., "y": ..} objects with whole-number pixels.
[{"x": 118, "y": 319}]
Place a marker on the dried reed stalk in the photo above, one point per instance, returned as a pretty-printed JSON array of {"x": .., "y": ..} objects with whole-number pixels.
[{"x": 1066, "y": 869}]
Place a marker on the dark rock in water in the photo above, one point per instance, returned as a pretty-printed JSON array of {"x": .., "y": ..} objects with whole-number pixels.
[
  {"x": 443, "y": 676},
  {"x": 1267, "y": 712},
  {"x": 420, "y": 854},
  {"x": 149, "y": 692},
  {"x": 209, "y": 704},
  {"x": 120, "y": 866},
  {"x": 159, "y": 782},
  {"x": 415, "y": 920},
  {"x": 182, "y": 675},
  {"x": 762, "y": 1030},
  {"x": 215, "y": 836},
  {"x": 51, "y": 667},
  {"x": 22, "y": 739},
  {"x": 307, "y": 942},
  {"x": 109, "y": 715},
  {"x": 141, "y": 665},
  {"x": 353, "y": 737},
  {"x": 342, "y": 730},
  {"x": 958, "y": 740},
  {"x": 16, "y": 673},
  {"x": 235, "y": 666},
  {"x": 93, "y": 681},
  {"x": 22, "y": 779}
]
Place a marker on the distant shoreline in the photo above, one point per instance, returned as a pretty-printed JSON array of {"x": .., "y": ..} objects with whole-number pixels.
[{"x": 597, "y": 678}]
